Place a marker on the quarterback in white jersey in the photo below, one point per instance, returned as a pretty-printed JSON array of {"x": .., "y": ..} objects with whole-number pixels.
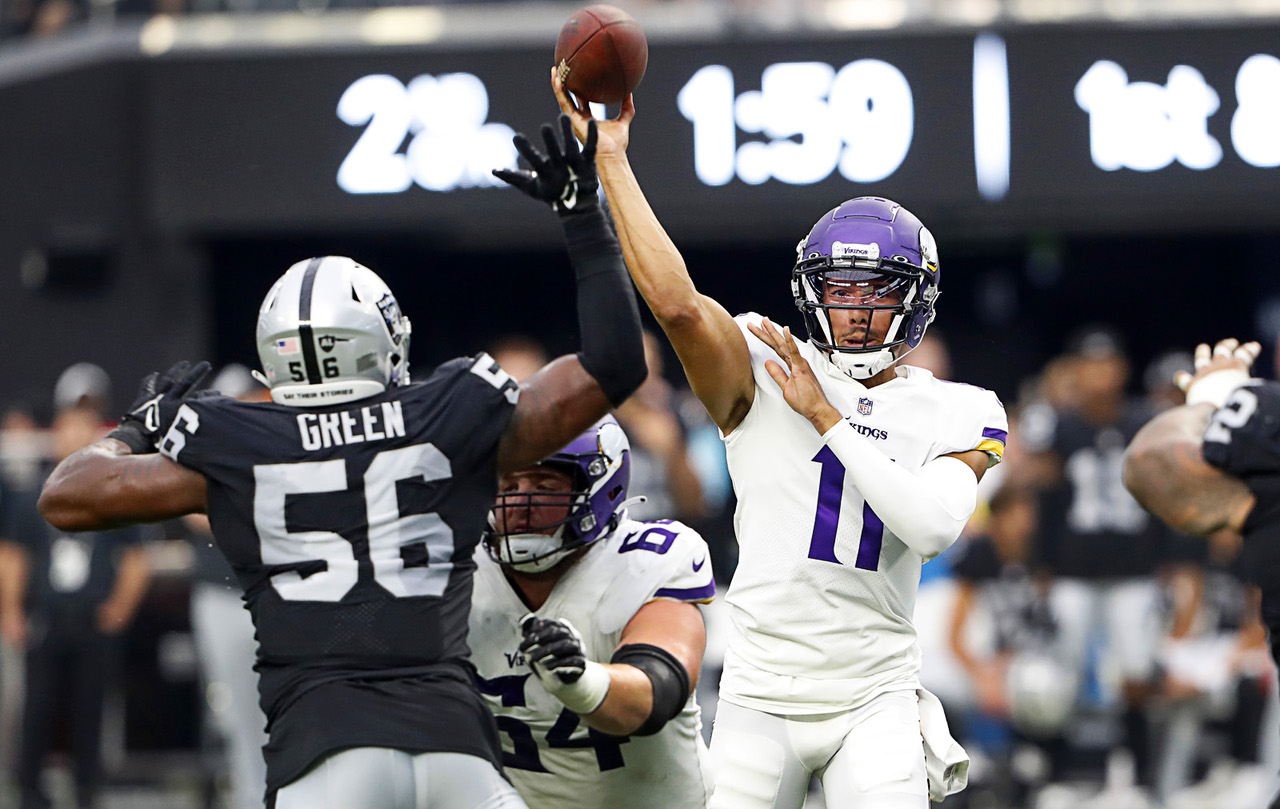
[
  {"x": 849, "y": 473},
  {"x": 564, "y": 579}
]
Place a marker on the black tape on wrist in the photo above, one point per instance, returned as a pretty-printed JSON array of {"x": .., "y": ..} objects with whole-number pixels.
[
  {"x": 132, "y": 437},
  {"x": 670, "y": 682},
  {"x": 608, "y": 317}
]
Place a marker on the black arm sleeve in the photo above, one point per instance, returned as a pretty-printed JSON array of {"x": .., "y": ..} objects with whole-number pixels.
[
  {"x": 669, "y": 678},
  {"x": 608, "y": 318}
]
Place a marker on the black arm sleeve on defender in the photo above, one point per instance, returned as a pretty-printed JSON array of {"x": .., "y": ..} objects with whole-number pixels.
[
  {"x": 669, "y": 678},
  {"x": 608, "y": 318}
]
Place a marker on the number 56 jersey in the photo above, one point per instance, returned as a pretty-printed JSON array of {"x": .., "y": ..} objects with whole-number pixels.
[
  {"x": 554, "y": 760},
  {"x": 351, "y": 529}
]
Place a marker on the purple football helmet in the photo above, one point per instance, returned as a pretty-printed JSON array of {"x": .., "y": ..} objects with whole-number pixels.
[
  {"x": 599, "y": 463},
  {"x": 886, "y": 259}
]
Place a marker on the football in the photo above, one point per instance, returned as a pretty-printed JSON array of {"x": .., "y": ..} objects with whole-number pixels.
[{"x": 601, "y": 54}]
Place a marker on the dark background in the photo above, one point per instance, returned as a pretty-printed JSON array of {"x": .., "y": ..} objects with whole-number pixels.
[{"x": 201, "y": 174}]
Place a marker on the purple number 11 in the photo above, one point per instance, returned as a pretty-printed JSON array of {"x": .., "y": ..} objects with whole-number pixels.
[{"x": 822, "y": 545}]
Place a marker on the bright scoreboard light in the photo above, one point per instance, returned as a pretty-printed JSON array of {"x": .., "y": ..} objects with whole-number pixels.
[{"x": 1054, "y": 127}]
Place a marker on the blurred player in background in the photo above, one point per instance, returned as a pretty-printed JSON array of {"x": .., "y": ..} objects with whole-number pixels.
[
  {"x": 1102, "y": 548},
  {"x": 850, "y": 471},
  {"x": 66, "y": 598},
  {"x": 350, "y": 508},
  {"x": 601, "y": 608},
  {"x": 1214, "y": 464}
]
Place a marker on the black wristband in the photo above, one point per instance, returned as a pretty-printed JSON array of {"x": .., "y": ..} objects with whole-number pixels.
[
  {"x": 132, "y": 437},
  {"x": 608, "y": 317},
  {"x": 669, "y": 678}
]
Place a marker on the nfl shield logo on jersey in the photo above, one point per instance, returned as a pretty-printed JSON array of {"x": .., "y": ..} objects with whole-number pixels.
[{"x": 864, "y": 406}]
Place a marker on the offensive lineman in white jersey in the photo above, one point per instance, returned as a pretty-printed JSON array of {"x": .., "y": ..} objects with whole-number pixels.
[
  {"x": 564, "y": 579},
  {"x": 850, "y": 471}
]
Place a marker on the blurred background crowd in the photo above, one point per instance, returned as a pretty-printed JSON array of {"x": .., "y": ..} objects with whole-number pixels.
[
  {"x": 1087, "y": 656},
  {"x": 165, "y": 160}
]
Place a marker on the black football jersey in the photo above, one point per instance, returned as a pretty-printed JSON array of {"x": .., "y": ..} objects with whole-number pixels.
[
  {"x": 351, "y": 529},
  {"x": 1091, "y": 526},
  {"x": 1243, "y": 440}
]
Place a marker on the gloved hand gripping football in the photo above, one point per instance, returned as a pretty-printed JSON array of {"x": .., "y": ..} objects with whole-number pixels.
[
  {"x": 140, "y": 427},
  {"x": 564, "y": 178},
  {"x": 558, "y": 657}
]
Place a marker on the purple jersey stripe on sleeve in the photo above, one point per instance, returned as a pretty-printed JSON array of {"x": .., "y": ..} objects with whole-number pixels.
[
  {"x": 688, "y": 593},
  {"x": 999, "y": 435}
]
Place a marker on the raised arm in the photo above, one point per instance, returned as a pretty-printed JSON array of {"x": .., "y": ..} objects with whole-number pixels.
[
  {"x": 121, "y": 479},
  {"x": 567, "y": 396},
  {"x": 104, "y": 486},
  {"x": 1164, "y": 466},
  {"x": 709, "y": 344},
  {"x": 1165, "y": 471}
]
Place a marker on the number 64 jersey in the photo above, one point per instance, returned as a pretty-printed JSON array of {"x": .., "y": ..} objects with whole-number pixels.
[{"x": 552, "y": 758}]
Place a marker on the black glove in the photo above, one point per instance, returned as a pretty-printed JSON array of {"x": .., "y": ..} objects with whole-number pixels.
[
  {"x": 140, "y": 427},
  {"x": 565, "y": 179},
  {"x": 553, "y": 646}
]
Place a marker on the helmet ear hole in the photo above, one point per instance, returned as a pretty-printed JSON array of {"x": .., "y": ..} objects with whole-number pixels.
[{"x": 355, "y": 294}]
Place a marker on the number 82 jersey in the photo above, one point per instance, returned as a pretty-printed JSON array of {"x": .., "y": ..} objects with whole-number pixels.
[{"x": 554, "y": 760}]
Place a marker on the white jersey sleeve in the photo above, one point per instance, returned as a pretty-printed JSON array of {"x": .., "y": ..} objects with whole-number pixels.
[
  {"x": 554, "y": 760},
  {"x": 975, "y": 420},
  {"x": 822, "y": 599}
]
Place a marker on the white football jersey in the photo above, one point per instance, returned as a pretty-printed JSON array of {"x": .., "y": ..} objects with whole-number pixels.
[
  {"x": 554, "y": 760},
  {"x": 822, "y": 599}
]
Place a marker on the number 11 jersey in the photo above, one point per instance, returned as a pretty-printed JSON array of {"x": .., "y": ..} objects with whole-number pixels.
[
  {"x": 351, "y": 529},
  {"x": 823, "y": 595}
]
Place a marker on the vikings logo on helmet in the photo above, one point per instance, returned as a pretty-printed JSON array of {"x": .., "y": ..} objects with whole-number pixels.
[{"x": 868, "y": 242}]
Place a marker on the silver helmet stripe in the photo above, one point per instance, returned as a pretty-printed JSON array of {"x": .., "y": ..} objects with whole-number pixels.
[{"x": 305, "y": 335}]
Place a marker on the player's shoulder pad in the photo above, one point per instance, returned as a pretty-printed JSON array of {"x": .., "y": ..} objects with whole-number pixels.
[
  {"x": 670, "y": 558},
  {"x": 975, "y": 418},
  {"x": 1243, "y": 436},
  {"x": 197, "y": 427},
  {"x": 478, "y": 372}
]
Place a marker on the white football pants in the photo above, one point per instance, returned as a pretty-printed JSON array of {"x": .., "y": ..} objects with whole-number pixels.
[
  {"x": 871, "y": 757},
  {"x": 382, "y": 778}
]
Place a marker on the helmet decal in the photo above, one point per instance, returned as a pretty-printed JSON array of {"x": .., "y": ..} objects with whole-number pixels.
[
  {"x": 869, "y": 256},
  {"x": 330, "y": 331}
]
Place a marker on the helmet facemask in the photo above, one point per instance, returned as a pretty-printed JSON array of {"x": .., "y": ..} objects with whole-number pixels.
[
  {"x": 520, "y": 536},
  {"x": 598, "y": 463},
  {"x": 866, "y": 262}
]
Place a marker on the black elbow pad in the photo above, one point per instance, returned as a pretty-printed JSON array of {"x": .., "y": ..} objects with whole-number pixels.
[{"x": 670, "y": 682}]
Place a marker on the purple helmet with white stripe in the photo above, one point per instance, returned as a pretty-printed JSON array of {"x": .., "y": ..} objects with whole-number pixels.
[
  {"x": 599, "y": 463},
  {"x": 883, "y": 254}
]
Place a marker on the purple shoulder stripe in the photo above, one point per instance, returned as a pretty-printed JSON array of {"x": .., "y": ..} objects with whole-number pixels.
[
  {"x": 999, "y": 435},
  {"x": 688, "y": 593}
]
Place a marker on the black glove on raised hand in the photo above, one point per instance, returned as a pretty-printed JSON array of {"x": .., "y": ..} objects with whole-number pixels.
[
  {"x": 140, "y": 427},
  {"x": 564, "y": 178}
]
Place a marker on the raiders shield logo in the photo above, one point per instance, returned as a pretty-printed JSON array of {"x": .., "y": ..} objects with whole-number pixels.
[
  {"x": 864, "y": 406},
  {"x": 328, "y": 341}
]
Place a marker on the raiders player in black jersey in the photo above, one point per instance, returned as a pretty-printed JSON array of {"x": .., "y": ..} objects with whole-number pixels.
[
  {"x": 351, "y": 505},
  {"x": 1214, "y": 463}
]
